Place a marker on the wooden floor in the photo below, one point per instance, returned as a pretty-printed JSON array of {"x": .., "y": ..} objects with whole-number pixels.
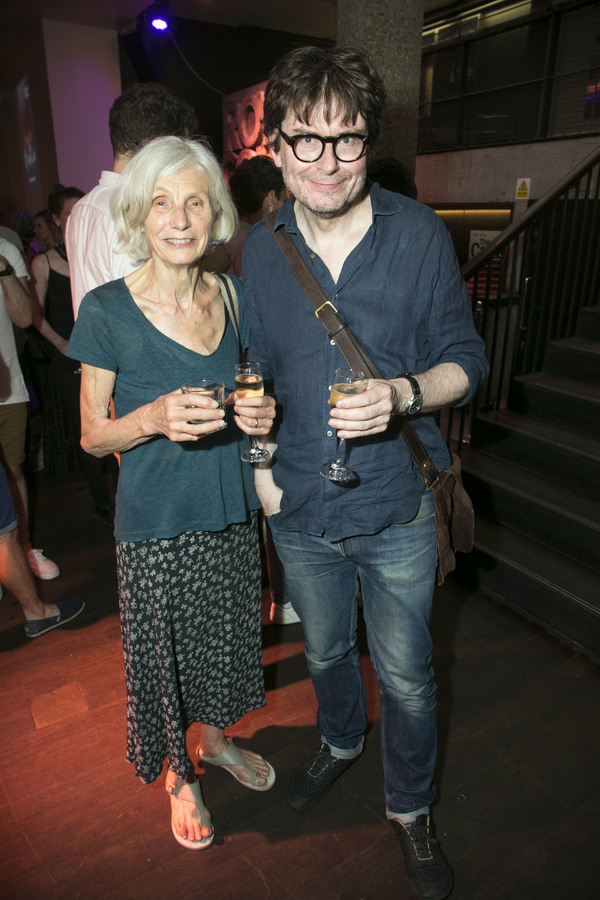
[{"x": 519, "y": 783}]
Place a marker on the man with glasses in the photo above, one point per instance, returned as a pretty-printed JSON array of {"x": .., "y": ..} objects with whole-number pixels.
[{"x": 387, "y": 264}]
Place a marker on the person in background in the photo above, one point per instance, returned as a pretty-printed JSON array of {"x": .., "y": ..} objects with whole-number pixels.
[
  {"x": 10, "y": 235},
  {"x": 393, "y": 175},
  {"x": 44, "y": 229},
  {"x": 188, "y": 556},
  {"x": 22, "y": 222},
  {"x": 141, "y": 113},
  {"x": 15, "y": 574},
  {"x": 16, "y": 308},
  {"x": 388, "y": 265},
  {"x": 53, "y": 318},
  {"x": 257, "y": 188}
]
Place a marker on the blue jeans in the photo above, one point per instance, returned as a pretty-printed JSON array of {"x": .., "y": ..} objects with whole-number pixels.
[{"x": 397, "y": 573}]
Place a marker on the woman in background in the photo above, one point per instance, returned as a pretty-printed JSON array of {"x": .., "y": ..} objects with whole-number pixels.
[
  {"x": 44, "y": 230},
  {"x": 53, "y": 318}
]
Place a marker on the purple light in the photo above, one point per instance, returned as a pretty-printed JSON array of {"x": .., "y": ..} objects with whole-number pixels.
[{"x": 159, "y": 23}]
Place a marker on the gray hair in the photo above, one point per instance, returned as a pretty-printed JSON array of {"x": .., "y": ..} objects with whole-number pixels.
[{"x": 131, "y": 203}]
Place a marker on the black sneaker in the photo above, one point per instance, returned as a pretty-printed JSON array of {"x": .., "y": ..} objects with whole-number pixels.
[
  {"x": 426, "y": 867},
  {"x": 311, "y": 781}
]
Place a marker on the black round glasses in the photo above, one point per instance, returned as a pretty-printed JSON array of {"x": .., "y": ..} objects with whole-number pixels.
[{"x": 310, "y": 147}]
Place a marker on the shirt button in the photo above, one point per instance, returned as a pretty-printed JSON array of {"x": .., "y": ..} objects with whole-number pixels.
[
  {"x": 329, "y": 433},
  {"x": 313, "y": 255},
  {"x": 332, "y": 342}
]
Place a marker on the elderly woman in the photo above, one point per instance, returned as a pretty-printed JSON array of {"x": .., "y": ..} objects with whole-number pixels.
[{"x": 185, "y": 523}]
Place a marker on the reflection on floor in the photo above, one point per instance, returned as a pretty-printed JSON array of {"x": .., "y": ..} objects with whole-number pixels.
[{"x": 518, "y": 765}]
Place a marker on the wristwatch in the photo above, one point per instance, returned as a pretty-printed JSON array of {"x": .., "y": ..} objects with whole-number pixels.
[
  {"x": 7, "y": 271},
  {"x": 415, "y": 403}
]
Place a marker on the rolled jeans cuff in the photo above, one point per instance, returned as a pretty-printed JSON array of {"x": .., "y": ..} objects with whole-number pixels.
[
  {"x": 408, "y": 817},
  {"x": 341, "y": 753}
]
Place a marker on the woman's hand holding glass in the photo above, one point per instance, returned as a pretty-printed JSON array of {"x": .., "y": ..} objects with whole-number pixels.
[
  {"x": 183, "y": 416},
  {"x": 254, "y": 412}
]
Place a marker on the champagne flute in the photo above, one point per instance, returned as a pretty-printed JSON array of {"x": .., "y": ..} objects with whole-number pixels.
[
  {"x": 345, "y": 382},
  {"x": 249, "y": 383}
]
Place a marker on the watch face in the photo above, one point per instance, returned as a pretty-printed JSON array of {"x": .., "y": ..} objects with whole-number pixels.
[{"x": 415, "y": 406}]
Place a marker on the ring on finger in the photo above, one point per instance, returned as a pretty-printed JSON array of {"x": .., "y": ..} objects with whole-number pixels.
[{"x": 256, "y": 426}]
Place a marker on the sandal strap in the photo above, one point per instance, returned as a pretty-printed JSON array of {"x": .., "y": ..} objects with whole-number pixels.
[
  {"x": 191, "y": 793},
  {"x": 229, "y": 757}
]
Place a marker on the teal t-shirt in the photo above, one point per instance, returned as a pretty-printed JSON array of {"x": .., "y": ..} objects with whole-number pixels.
[{"x": 166, "y": 488}]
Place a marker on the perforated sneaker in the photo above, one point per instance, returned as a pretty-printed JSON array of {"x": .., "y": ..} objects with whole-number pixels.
[
  {"x": 426, "y": 867},
  {"x": 311, "y": 781},
  {"x": 41, "y": 566}
]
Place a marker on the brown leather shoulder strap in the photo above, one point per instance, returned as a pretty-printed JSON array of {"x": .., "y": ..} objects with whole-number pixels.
[{"x": 338, "y": 331}]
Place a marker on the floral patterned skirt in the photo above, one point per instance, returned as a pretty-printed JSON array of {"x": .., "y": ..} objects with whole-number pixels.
[{"x": 192, "y": 642}]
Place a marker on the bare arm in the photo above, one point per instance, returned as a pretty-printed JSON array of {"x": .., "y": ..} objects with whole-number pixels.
[
  {"x": 39, "y": 288},
  {"x": 370, "y": 412},
  {"x": 16, "y": 297},
  {"x": 268, "y": 492},
  {"x": 167, "y": 415}
]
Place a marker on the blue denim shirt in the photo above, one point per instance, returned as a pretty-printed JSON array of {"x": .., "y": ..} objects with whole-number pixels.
[{"x": 401, "y": 292}]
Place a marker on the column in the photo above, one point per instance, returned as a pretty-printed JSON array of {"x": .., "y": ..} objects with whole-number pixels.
[{"x": 390, "y": 31}]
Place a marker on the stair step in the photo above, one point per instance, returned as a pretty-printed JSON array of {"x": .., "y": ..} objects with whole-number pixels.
[
  {"x": 556, "y": 399},
  {"x": 574, "y": 357},
  {"x": 547, "y": 586},
  {"x": 554, "y": 451},
  {"x": 588, "y": 323},
  {"x": 550, "y": 513}
]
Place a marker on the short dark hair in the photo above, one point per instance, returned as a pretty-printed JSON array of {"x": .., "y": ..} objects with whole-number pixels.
[
  {"x": 251, "y": 181},
  {"x": 146, "y": 111},
  {"x": 393, "y": 175},
  {"x": 58, "y": 195},
  {"x": 343, "y": 79}
]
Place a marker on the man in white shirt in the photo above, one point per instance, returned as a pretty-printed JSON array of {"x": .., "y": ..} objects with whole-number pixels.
[
  {"x": 16, "y": 308},
  {"x": 140, "y": 114}
]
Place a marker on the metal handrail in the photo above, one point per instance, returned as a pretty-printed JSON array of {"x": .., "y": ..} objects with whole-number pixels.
[
  {"x": 529, "y": 285},
  {"x": 469, "y": 268}
]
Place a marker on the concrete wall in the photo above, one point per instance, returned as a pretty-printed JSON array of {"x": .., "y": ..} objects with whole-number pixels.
[{"x": 489, "y": 175}]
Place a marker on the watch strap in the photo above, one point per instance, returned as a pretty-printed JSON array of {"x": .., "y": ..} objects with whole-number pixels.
[
  {"x": 417, "y": 395},
  {"x": 7, "y": 271}
]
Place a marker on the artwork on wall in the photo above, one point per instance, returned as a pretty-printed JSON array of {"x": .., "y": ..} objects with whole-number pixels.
[
  {"x": 242, "y": 127},
  {"x": 28, "y": 145}
]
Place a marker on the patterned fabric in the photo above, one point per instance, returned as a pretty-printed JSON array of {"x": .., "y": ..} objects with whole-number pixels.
[{"x": 191, "y": 627}]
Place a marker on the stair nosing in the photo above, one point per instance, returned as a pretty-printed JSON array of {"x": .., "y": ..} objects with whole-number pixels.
[{"x": 547, "y": 432}]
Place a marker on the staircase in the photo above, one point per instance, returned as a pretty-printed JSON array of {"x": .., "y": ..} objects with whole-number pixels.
[{"x": 533, "y": 471}]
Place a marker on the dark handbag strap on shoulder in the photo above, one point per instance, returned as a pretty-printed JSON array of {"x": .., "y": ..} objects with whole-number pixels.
[
  {"x": 349, "y": 347},
  {"x": 232, "y": 303}
]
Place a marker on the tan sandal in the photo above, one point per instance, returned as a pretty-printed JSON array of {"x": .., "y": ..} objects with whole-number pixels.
[
  {"x": 232, "y": 757},
  {"x": 191, "y": 793}
]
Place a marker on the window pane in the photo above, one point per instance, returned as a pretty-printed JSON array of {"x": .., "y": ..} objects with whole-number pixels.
[
  {"x": 576, "y": 89},
  {"x": 502, "y": 116},
  {"x": 440, "y": 74},
  {"x": 509, "y": 58},
  {"x": 438, "y": 131}
]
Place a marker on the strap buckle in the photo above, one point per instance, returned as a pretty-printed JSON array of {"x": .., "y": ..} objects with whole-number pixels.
[{"x": 323, "y": 305}]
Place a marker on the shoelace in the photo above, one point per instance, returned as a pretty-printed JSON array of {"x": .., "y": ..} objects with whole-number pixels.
[
  {"x": 421, "y": 839},
  {"x": 323, "y": 762}
]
